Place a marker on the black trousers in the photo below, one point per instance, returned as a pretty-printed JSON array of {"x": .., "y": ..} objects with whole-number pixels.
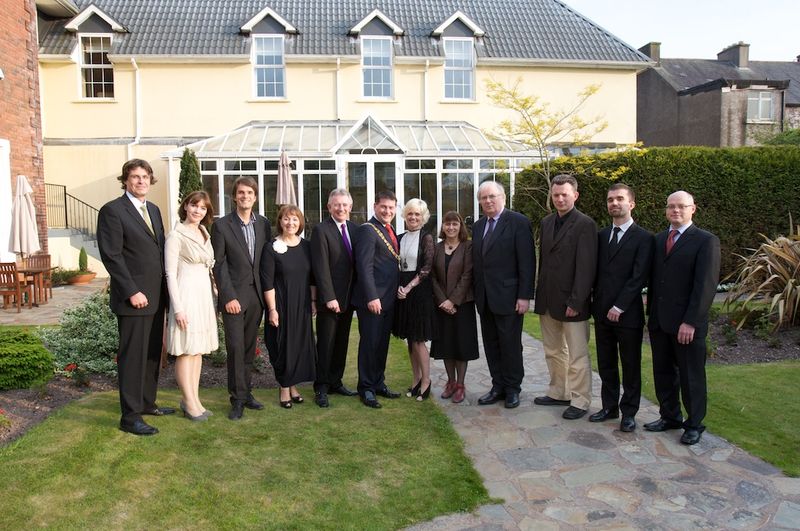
[
  {"x": 373, "y": 348},
  {"x": 333, "y": 336},
  {"x": 617, "y": 346},
  {"x": 241, "y": 334},
  {"x": 679, "y": 371},
  {"x": 138, "y": 361},
  {"x": 502, "y": 342}
]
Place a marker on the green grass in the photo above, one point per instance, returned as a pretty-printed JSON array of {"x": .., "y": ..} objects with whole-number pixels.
[
  {"x": 744, "y": 404},
  {"x": 347, "y": 467}
]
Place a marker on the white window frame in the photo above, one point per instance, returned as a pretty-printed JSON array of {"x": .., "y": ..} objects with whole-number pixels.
[
  {"x": 470, "y": 69},
  {"x": 84, "y": 67},
  {"x": 268, "y": 67},
  {"x": 758, "y": 98},
  {"x": 387, "y": 41}
]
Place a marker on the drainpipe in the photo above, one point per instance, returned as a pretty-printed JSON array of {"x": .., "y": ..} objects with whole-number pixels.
[
  {"x": 425, "y": 90},
  {"x": 338, "y": 67},
  {"x": 137, "y": 95}
]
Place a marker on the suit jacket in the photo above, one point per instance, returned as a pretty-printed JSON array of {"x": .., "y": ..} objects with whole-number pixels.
[
  {"x": 377, "y": 268},
  {"x": 233, "y": 270},
  {"x": 454, "y": 283},
  {"x": 504, "y": 272},
  {"x": 683, "y": 284},
  {"x": 333, "y": 268},
  {"x": 567, "y": 266},
  {"x": 132, "y": 255},
  {"x": 621, "y": 275}
]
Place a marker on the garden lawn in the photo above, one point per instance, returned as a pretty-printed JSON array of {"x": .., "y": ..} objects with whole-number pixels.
[
  {"x": 749, "y": 405},
  {"x": 345, "y": 467}
]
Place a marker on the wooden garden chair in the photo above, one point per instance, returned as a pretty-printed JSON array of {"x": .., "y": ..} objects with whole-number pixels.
[{"x": 13, "y": 287}]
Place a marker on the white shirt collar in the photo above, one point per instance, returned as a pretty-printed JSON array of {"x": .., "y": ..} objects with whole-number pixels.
[{"x": 135, "y": 200}]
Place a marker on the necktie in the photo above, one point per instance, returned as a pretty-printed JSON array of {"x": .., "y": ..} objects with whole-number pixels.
[
  {"x": 392, "y": 236},
  {"x": 614, "y": 238},
  {"x": 146, "y": 217},
  {"x": 673, "y": 235},
  {"x": 346, "y": 241},
  {"x": 488, "y": 235}
]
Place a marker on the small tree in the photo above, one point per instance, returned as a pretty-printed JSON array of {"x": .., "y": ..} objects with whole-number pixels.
[
  {"x": 83, "y": 260},
  {"x": 539, "y": 127},
  {"x": 189, "y": 180}
]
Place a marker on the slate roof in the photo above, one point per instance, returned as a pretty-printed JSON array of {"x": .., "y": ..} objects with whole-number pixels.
[
  {"x": 687, "y": 73},
  {"x": 515, "y": 29}
]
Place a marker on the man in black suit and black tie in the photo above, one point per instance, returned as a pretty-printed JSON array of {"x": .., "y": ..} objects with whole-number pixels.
[
  {"x": 625, "y": 251},
  {"x": 238, "y": 240},
  {"x": 682, "y": 286},
  {"x": 377, "y": 275},
  {"x": 503, "y": 259},
  {"x": 130, "y": 235},
  {"x": 332, "y": 262}
]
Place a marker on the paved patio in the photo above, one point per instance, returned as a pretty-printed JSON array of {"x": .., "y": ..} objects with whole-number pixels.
[{"x": 50, "y": 312}]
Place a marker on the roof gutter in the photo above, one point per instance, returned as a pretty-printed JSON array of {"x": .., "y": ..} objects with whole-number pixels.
[{"x": 137, "y": 108}]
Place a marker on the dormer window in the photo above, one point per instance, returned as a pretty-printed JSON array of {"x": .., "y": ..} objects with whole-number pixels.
[
  {"x": 268, "y": 66},
  {"x": 97, "y": 72},
  {"x": 376, "y": 64},
  {"x": 459, "y": 69}
]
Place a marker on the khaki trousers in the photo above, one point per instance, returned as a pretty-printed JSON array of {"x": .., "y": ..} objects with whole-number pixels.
[{"x": 566, "y": 349}]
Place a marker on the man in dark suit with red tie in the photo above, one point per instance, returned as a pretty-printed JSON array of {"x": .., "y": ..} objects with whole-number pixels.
[
  {"x": 682, "y": 287},
  {"x": 377, "y": 275},
  {"x": 332, "y": 262},
  {"x": 625, "y": 251},
  {"x": 130, "y": 235}
]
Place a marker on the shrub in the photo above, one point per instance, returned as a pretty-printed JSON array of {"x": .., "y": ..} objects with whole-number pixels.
[
  {"x": 24, "y": 361},
  {"x": 83, "y": 260},
  {"x": 87, "y": 337}
]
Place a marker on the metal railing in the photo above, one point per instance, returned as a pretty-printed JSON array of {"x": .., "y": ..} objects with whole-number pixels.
[{"x": 65, "y": 211}]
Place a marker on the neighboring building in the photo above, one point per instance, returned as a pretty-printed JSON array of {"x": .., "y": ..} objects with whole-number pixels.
[
  {"x": 730, "y": 101},
  {"x": 365, "y": 94}
]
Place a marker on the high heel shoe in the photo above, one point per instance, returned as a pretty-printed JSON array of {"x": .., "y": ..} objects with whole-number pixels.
[
  {"x": 458, "y": 394},
  {"x": 297, "y": 399},
  {"x": 285, "y": 404},
  {"x": 198, "y": 418},
  {"x": 414, "y": 391},
  {"x": 449, "y": 389},
  {"x": 425, "y": 394}
]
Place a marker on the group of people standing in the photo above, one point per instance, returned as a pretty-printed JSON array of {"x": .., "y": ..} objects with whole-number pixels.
[{"x": 415, "y": 288}]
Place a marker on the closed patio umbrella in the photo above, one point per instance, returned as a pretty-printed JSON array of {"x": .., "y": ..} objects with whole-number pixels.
[
  {"x": 285, "y": 194},
  {"x": 24, "y": 232}
]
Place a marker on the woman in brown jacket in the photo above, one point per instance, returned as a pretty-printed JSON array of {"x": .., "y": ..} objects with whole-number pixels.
[{"x": 457, "y": 339}]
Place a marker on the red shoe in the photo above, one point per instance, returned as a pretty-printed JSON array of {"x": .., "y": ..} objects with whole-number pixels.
[
  {"x": 449, "y": 389},
  {"x": 458, "y": 395}
]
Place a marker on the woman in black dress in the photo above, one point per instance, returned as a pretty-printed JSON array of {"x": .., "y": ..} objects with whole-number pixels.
[
  {"x": 413, "y": 313},
  {"x": 290, "y": 297},
  {"x": 457, "y": 333}
]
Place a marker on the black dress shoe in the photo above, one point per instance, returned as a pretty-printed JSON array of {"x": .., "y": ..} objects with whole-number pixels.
[
  {"x": 547, "y": 401},
  {"x": 572, "y": 413},
  {"x": 344, "y": 391},
  {"x": 369, "y": 400},
  {"x": 662, "y": 425},
  {"x": 159, "y": 411},
  {"x": 252, "y": 403},
  {"x": 388, "y": 393},
  {"x": 627, "y": 424},
  {"x": 237, "y": 408},
  {"x": 604, "y": 414},
  {"x": 138, "y": 427},
  {"x": 691, "y": 436},
  {"x": 512, "y": 400},
  {"x": 491, "y": 397},
  {"x": 321, "y": 399}
]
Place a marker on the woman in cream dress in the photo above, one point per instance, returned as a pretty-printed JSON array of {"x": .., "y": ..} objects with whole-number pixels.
[{"x": 192, "y": 327}]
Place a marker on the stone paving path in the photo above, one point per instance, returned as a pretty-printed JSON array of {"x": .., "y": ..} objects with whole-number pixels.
[
  {"x": 50, "y": 312},
  {"x": 574, "y": 474}
]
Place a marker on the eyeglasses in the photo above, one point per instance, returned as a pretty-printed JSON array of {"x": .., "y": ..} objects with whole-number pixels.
[
  {"x": 678, "y": 207},
  {"x": 491, "y": 197}
]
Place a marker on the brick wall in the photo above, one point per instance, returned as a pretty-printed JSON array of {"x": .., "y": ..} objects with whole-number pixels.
[{"x": 20, "y": 120}]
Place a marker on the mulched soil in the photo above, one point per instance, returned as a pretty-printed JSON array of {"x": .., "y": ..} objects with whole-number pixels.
[{"x": 747, "y": 348}]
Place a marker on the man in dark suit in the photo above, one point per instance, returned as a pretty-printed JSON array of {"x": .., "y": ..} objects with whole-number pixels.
[
  {"x": 332, "y": 262},
  {"x": 238, "y": 240},
  {"x": 567, "y": 266},
  {"x": 683, "y": 282},
  {"x": 503, "y": 260},
  {"x": 377, "y": 275},
  {"x": 130, "y": 235},
  {"x": 625, "y": 251}
]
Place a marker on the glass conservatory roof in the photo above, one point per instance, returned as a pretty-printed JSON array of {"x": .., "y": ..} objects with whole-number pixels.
[{"x": 366, "y": 136}]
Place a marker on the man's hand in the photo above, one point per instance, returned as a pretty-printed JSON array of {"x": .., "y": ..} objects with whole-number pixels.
[
  {"x": 182, "y": 321},
  {"x": 685, "y": 334},
  {"x": 570, "y": 312},
  {"x": 374, "y": 306},
  {"x": 138, "y": 300},
  {"x": 333, "y": 306},
  {"x": 233, "y": 307},
  {"x": 448, "y": 307},
  {"x": 522, "y": 306},
  {"x": 613, "y": 315}
]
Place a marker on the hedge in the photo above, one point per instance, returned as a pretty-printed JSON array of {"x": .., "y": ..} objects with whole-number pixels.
[
  {"x": 739, "y": 192},
  {"x": 24, "y": 361}
]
